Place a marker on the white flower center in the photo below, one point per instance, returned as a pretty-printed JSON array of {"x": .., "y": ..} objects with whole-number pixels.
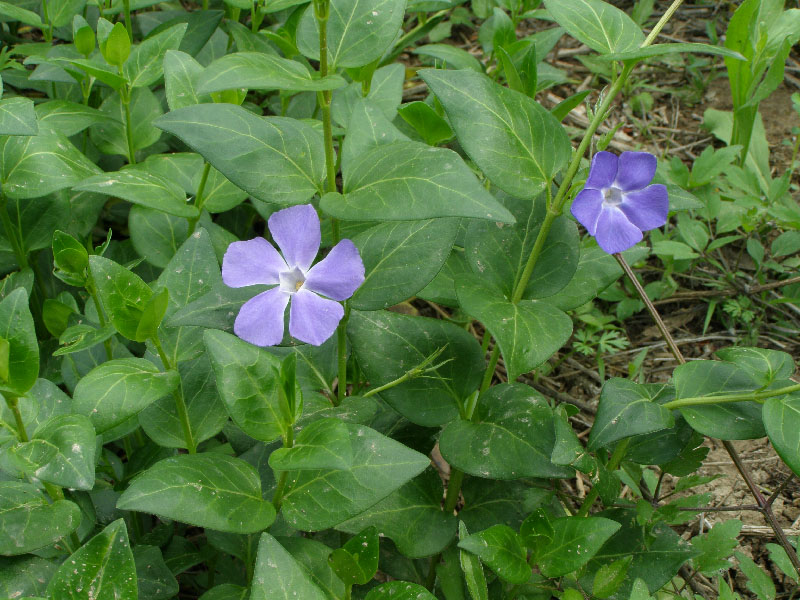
[
  {"x": 613, "y": 196},
  {"x": 292, "y": 281}
]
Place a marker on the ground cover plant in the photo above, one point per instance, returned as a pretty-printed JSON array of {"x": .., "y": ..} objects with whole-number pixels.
[{"x": 401, "y": 299}]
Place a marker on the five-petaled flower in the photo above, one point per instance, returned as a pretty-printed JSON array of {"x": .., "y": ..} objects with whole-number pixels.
[
  {"x": 312, "y": 318},
  {"x": 616, "y": 205}
]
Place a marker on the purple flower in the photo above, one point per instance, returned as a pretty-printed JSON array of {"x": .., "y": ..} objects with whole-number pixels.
[
  {"x": 312, "y": 318},
  {"x": 616, "y": 205}
]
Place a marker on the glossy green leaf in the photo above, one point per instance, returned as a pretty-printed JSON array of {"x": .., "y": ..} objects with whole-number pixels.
[
  {"x": 29, "y": 522},
  {"x": 116, "y": 47},
  {"x": 758, "y": 581},
  {"x": 399, "y": 590},
  {"x": 156, "y": 235},
  {"x": 728, "y": 420},
  {"x": 359, "y": 31},
  {"x": 451, "y": 57},
  {"x": 182, "y": 75},
  {"x": 781, "y": 416},
  {"x": 626, "y": 409},
  {"x": 673, "y": 48},
  {"x": 368, "y": 128},
  {"x": 409, "y": 180},
  {"x": 497, "y": 253},
  {"x": 226, "y": 591},
  {"x": 472, "y": 568},
  {"x": 411, "y": 517},
  {"x": 609, "y": 578},
  {"x": 357, "y": 561},
  {"x": 17, "y": 13},
  {"x": 145, "y": 66},
  {"x": 25, "y": 576},
  {"x": 528, "y": 332},
  {"x": 119, "y": 389},
  {"x": 600, "y": 25},
  {"x": 123, "y": 293},
  {"x": 259, "y": 71},
  {"x": 25, "y": 458},
  {"x": 515, "y": 141},
  {"x": 575, "y": 541},
  {"x": 109, "y": 136},
  {"x": 765, "y": 366},
  {"x": 278, "y": 575},
  {"x": 317, "y": 500},
  {"x": 74, "y": 440},
  {"x": 145, "y": 189},
  {"x": 103, "y": 565},
  {"x": 62, "y": 12},
  {"x": 68, "y": 118},
  {"x": 17, "y": 328},
  {"x": 323, "y": 444},
  {"x": 501, "y": 549},
  {"x": 17, "y": 116},
  {"x": 207, "y": 490},
  {"x": 275, "y": 159},
  {"x": 248, "y": 381},
  {"x": 154, "y": 579},
  {"x": 34, "y": 166},
  {"x": 387, "y": 345},
  {"x": 433, "y": 128},
  {"x": 313, "y": 557},
  {"x": 400, "y": 259},
  {"x": 716, "y": 546},
  {"x": 511, "y": 435}
]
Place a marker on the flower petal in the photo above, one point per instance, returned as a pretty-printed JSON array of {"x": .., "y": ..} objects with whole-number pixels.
[
  {"x": 614, "y": 232},
  {"x": 636, "y": 170},
  {"x": 603, "y": 170},
  {"x": 647, "y": 208},
  {"x": 296, "y": 230},
  {"x": 260, "y": 320},
  {"x": 251, "y": 263},
  {"x": 313, "y": 319},
  {"x": 586, "y": 208},
  {"x": 339, "y": 274}
]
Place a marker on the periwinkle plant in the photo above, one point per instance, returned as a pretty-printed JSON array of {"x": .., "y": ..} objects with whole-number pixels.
[{"x": 176, "y": 439}]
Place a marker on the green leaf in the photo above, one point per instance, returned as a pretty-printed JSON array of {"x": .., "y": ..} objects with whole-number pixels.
[
  {"x": 25, "y": 576},
  {"x": 511, "y": 435},
  {"x": 781, "y": 559},
  {"x": 28, "y": 522},
  {"x": 34, "y": 166},
  {"x": 68, "y": 253},
  {"x": 626, "y": 409},
  {"x": 758, "y": 581},
  {"x": 433, "y": 128},
  {"x": 411, "y": 517},
  {"x": 453, "y": 57},
  {"x": 74, "y": 440},
  {"x": 716, "y": 547},
  {"x": 387, "y": 345},
  {"x": 323, "y": 444},
  {"x": 116, "y": 48},
  {"x": 399, "y": 590},
  {"x": 765, "y": 366},
  {"x": 156, "y": 235},
  {"x": 207, "y": 415},
  {"x": 781, "y": 416},
  {"x": 400, "y": 259},
  {"x": 472, "y": 568},
  {"x": 359, "y": 31},
  {"x": 145, "y": 66},
  {"x": 673, "y": 48},
  {"x": 368, "y": 127},
  {"x": 598, "y": 24},
  {"x": 501, "y": 549},
  {"x": 61, "y": 13},
  {"x": 109, "y": 136},
  {"x": 317, "y": 500},
  {"x": 106, "y": 568},
  {"x": 17, "y": 328},
  {"x": 357, "y": 561},
  {"x": 17, "y": 13},
  {"x": 278, "y": 575},
  {"x": 207, "y": 490},
  {"x": 275, "y": 159},
  {"x": 259, "y": 71},
  {"x": 528, "y": 332},
  {"x": 248, "y": 382},
  {"x": 25, "y": 458},
  {"x": 17, "y": 116},
  {"x": 154, "y": 579},
  {"x": 725, "y": 421},
  {"x": 575, "y": 541},
  {"x": 138, "y": 186},
  {"x": 497, "y": 253},
  {"x": 152, "y": 315},
  {"x": 409, "y": 180},
  {"x": 182, "y": 75},
  {"x": 123, "y": 293},
  {"x": 609, "y": 578},
  {"x": 119, "y": 389},
  {"x": 313, "y": 557},
  {"x": 515, "y": 141},
  {"x": 226, "y": 591}
]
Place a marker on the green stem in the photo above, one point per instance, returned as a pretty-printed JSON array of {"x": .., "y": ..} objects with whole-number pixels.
[
  {"x": 11, "y": 234},
  {"x": 453, "y": 490},
  {"x": 205, "y": 4},
  {"x": 12, "y": 402},
  {"x": 613, "y": 463},
  {"x": 489, "y": 373},
  {"x": 180, "y": 403},
  {"x": 126, "y": 102},
  {"x": 199, "y": 199},
  {"x": 341, "y": 356},
  {"x": 743, "y": 397},
  {"x": 48, "y": 29},
  {"x": 280, "y": 488},
  {"x": 101, "y": 316},
  {"x": 126, "y": 8}
]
